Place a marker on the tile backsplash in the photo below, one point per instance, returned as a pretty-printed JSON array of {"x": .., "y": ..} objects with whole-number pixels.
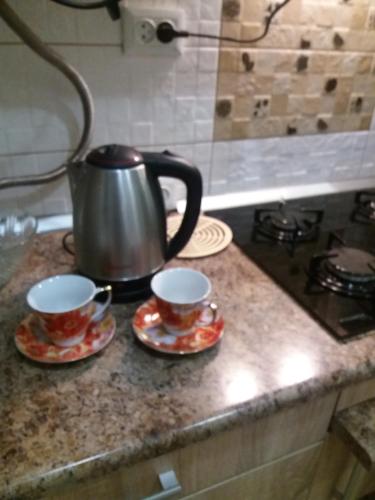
[
  {"x": 156, "y": 103},
  {"x": 313, "y": 73}
]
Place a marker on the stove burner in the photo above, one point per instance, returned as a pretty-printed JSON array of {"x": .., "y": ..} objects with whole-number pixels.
[
  {"x": 287, "y": 224},
  {"x": 365, "y": 207},
  {"x": 352, "y": 264},
  {"x": 345, "y": 270}
]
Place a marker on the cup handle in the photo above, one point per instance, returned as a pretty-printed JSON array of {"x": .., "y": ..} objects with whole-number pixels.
[
  {"x": 101, "y": 308},
  {"x": 213, "y": 308}
]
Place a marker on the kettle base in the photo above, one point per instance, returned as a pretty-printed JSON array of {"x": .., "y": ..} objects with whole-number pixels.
[{"x": 128, "y": 291}]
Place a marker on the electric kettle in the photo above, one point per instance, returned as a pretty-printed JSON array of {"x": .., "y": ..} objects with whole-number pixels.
[{"x": 119, "y": 218}]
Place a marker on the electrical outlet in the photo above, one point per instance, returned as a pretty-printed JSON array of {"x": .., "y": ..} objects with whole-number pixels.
[
  {"x": 145, "y": 31},
  {"x": 139, "y": 30}
]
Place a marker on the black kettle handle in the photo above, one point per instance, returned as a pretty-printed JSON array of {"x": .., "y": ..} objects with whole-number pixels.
[{"x": 167, "y": 164}]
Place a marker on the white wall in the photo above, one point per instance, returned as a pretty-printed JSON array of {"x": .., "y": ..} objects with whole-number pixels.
[{"x": 151, "y": 103}]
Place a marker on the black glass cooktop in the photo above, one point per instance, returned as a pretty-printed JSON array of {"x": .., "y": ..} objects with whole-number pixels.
[{"x": 321, "y": 251}]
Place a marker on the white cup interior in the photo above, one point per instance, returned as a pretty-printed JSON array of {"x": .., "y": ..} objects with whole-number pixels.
[
  {"x": 181, "y": 286},
  {"x": 61, "y": 293}
]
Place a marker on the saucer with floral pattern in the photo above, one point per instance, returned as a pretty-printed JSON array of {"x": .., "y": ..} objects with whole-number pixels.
[
  {"x": 32, "y": 343},
  {"x": 148, "y": 328}
]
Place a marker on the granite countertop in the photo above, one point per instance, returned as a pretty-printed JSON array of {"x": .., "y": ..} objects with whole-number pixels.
[{"x": 126, "y": 404}]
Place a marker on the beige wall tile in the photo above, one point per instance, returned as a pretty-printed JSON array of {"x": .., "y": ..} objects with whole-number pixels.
[
  {"x": 246, "y": 84},
  {"x": 232, "y": 9},
  {"x": 230, "y": 29},
  {"x": 243, "y": 107},
  {"x": 314, "y": 84},
  {"x": 311, "y": 104},
  {"x": 291, "y": 14},
  {"x": 316, "y": 61},
  {"x": 327, "y": 103},
  {"x": 240, "y": 129},
  {"x": 307, "y": 125},
  {"x": 271, "y": 127},
  {"x": 298, "y": 84},
  {"x": 251, "y": 30},
  {"x": 227, "y": 84},
  {"x": 223, "y": 130},
  {"x": 352, "y": 122},
  {"x": 364, "y": 84},
  {"x": 228, "y": 61},
  {"x": 343, "y": 15},
  {"x": 345, "y": 85},
  {"x": 353, "y": 40},
  {"x": 341, "y": 103},
  {"x": 334, "y": 63},
  {"x": 365, "y": 122},
  {"x": 349, "y": 63},
  {"x": 282, "y": 37},
  {"x": 318, "y": 14},
  {"x": 364, "y": 64},
  {"x": 253, "y": 10},
  {"x": 295, "y": 104},
  {"x": 263, "y": 84},
  {"x": 359, "y": 17},
  {"x": 338, "y": 122},
  {"x": 281, "y": 83},
  {"x": 368, "y": 104},
  {"x": 279, "y": 105},
  {"x": 365, "y": 41}
]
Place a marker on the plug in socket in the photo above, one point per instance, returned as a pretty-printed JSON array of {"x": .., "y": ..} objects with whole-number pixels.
[{"x": 139, "y": 30}]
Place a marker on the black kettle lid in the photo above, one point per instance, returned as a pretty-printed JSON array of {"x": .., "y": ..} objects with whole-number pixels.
[{"x": 115, "y": 156}]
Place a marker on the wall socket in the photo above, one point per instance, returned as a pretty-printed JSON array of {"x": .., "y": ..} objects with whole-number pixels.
[{"x": 139, "y": 30}]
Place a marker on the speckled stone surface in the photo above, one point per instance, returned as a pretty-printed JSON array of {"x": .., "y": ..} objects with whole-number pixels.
[
  {"x": 62, "y": 423},
  {"x": 356, "y": 427}
]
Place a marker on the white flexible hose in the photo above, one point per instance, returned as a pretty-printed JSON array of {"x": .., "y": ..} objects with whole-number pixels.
[{"x": 56, "y": 60}]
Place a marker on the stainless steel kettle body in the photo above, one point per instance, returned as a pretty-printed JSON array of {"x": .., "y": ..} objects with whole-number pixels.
[{"x": 119, "y": 220}]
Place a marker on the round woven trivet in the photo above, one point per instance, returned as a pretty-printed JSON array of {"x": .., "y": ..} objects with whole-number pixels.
[{"x": 210, "y": 236}]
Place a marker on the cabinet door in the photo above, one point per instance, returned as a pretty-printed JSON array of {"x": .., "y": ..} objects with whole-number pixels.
[
  {"x": 203, "y": 464},
  {"x": 369, "y": 486},
  {"x": 286, "y": 479},
  {"x": 335, "y": 465},
  {"x": 355, "y": 394}
]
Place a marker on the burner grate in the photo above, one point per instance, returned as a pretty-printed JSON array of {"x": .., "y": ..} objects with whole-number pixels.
[
  {"x": 342, "y": 269},
  {"x": 364, "y": 210},
  {"x": 287, "y": 225}
]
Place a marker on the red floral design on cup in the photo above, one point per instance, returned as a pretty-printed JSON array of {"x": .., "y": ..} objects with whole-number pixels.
[
  {"x": 181, "y": 296},
  {"x": 67, "y": 326},
  {"x": 178, "y": 317},
  {"x": 65, "y": 307}
]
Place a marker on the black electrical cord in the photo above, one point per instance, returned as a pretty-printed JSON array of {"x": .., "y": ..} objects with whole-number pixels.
[
  {"x": 166, "y": 33},
  {"x": 111, "y": 5},
  {"x": 65, "y": 243},
  {"x": 82, "y": 5}
]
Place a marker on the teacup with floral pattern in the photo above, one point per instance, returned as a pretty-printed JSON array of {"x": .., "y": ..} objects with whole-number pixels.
[
  {"x": 181, "y": 297},
  {"x": 64, "y": 305}
]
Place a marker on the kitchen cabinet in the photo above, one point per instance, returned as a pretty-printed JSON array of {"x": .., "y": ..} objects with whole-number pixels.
[
  {"x": 336, "y": 463},
  {"x": 288, "y": 479},
  {"x": 288, "y": 455},
  {"x": 248, "y": 457}
]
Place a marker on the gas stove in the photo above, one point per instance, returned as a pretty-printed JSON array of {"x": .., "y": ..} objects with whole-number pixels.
[{"x": 321, "y": 250}]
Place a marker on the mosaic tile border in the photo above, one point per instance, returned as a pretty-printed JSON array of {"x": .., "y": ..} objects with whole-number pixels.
[{"x": 313, "y": 73}]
